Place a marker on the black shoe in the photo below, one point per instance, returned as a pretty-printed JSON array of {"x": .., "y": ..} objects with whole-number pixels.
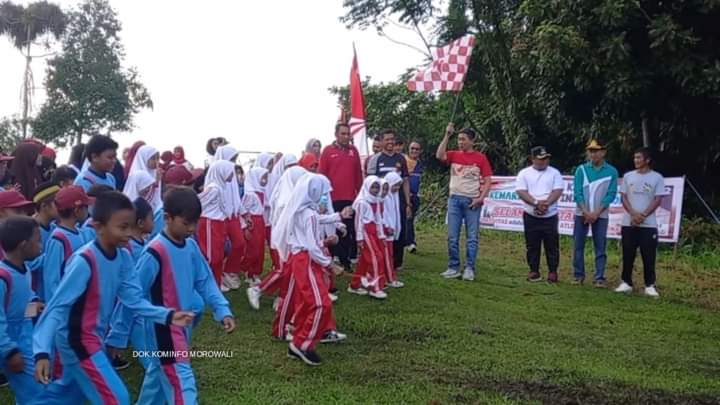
[
  {"x": 310, "y": 358},
  {"x": 119, "y": 363},
  {"x": 333, "y": 291},
  {"x": 3, "y": 380},
  {"x": 347, "y": 268}
]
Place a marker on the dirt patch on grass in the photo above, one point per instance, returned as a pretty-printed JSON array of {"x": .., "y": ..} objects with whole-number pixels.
[{"x": 577, "y": 394}]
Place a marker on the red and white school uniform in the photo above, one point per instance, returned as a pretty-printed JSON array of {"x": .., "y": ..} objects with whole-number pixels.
[
  {"x": 297, "y": 237},
  {"x": 212, "y": 228},
  {"x": 368, "y": 226},
  {"x": 392, "y": 224},
  {"x": 235, "y": 223},
  {"x": 254, "y": 203}
]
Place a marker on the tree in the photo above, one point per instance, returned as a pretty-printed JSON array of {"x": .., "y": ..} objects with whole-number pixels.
[
  {"x": 10, "y": 134},
  {"x": 24, "y": 26},
  {"x": 88, "y": 88}
]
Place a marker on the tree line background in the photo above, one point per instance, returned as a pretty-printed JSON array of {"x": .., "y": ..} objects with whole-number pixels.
[{"x": 560, "y": 72}]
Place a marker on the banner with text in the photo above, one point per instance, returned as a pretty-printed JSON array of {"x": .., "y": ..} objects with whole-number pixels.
[{"x": 503, "y": 209}]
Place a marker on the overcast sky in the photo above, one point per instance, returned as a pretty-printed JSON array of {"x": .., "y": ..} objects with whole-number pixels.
[{"x": 255, "y": 72}]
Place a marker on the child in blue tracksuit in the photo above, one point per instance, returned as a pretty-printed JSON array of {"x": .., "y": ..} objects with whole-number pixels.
[
  {"x": 20, "y": 239},
  {"x": 46, "y": 216},
  {"x": 76, "y": 318},
  {"x": 101, "y": 151},
  {"x": 72, "y": 206},
  {"x": 172, "y": 270},
  {"x": 124, "y": 325},
  {"x": 87, "y": 230}
]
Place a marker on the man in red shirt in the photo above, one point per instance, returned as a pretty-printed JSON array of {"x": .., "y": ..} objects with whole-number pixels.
[
  {"x": 470, "y": 180},
  {"x": 340, "y": 162}
]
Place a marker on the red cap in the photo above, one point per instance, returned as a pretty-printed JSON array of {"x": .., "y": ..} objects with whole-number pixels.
[
  {"x": 48, "y": 152},
  {"x": 13, "y": 199},
  {"x": 180, "y": 175},
  {"x": 71, "y": 197}
]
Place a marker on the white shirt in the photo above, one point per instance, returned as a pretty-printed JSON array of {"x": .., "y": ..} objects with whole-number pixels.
[
  {"x": 253, "y": 205},
  {"x": 305, "y": 235},
  {"x": 539, "y": 184}
]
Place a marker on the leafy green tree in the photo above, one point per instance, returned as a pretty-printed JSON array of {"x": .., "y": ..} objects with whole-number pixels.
[
  {"x": 88, "y": 88},
  {"x": 10, "y": 134},
  {"x": 25, "y": 25}
]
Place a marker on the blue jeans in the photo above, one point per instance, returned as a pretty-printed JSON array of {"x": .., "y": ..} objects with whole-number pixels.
[
  {"x": 458, "y": 211},
  {"x": 599, "y": 235}
]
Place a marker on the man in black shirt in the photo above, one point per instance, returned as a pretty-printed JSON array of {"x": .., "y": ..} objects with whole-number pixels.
[{"x": 383, "y": 163}]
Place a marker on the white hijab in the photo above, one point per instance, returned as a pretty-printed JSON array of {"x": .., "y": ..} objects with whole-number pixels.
[
  {"x": 216, "y": 177},
  {"x": 263, "y": 160},
  {"x": 140, "y": 164},
  {"x": 138, "y": 181},
  {"x": 278, "y": 170},
  {"x": 365, "y": 197},
  {"x": 227, "y": 153},
  {"x": 306, "y": 194},
  {"x": 391, "y": 215},
  {"x": 283, "y": 191},
  {"x": 252, "y": 180}
]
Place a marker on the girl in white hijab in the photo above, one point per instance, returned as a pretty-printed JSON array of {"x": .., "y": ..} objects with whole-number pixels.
[
  {"x": 254, "y": 203},
  {"x": 392, "y": 225},
  {"x": 300, "y": 246},
  {"x": 216, "y": 209},
  {"x": 236, "y": 223},
  {"x": 146, "y": 161},
  {"x": 278, "y": 168},
  {"x": 368, "y": 226}
]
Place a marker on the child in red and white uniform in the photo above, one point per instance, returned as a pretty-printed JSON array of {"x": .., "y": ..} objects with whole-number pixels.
[
  {"x": 297, "y": 238},
  {"x": 254, "y": 203},
  {"x": 216, "y": 209},
  {"x": 368, "y": 277},
  {"x": 235, "y": 224},
  {"x": 392, "y": 225}
]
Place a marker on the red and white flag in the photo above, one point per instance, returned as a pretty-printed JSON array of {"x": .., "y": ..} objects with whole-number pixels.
[
  {"x": 357, "y": 110},
  {"x": 448, "y": 68}
]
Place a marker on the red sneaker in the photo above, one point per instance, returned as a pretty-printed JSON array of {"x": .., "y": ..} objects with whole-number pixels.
[
  {"x": 534, "y": 277},
  {"x": 552, "y": 277}
]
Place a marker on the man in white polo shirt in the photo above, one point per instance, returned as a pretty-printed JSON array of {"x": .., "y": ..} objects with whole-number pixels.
[{"x": 540, "y": 186}]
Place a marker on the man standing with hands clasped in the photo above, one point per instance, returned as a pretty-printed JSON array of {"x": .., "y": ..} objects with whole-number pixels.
[
  {"x": 470, "y": 180},
  {"x": 595, "y": 187},
  {"x": 540, "y": 186},
  {"x": 642, "y": 192}
]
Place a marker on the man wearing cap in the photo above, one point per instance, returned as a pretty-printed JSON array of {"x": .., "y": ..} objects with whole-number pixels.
[
  {"x": 13, "y": 203},
  {"x": 540, "y": 186},
  {"x": 595, "y": 188}
]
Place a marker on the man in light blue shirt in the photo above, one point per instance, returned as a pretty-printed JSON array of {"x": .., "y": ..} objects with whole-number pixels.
[{"x": 595, "y": 188}]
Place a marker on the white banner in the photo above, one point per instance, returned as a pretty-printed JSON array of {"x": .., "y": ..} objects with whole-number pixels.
[{"x": 503, "y": 209}]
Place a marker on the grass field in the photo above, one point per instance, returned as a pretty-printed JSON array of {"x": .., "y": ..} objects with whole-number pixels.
[{"x": 498, "y": 340}]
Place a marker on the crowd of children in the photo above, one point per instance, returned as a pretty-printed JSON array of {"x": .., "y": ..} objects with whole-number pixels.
[{"x": 92, "y": 265}]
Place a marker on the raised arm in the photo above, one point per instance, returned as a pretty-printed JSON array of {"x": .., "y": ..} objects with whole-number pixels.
[{"x": 441, "y": 153}]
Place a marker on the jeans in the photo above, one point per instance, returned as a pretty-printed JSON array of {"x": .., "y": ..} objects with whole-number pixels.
[
  {"x": 346, "y": 248},
  {"x": 634, "y": 237},
  {"x": 458, "y": 211},
  {"x": 599, "y": 235},
  {"x": 415, "y": 200},
  {"x": 542, "y": 231}
]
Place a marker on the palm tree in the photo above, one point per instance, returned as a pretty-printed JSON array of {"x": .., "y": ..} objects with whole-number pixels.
[{"x": 25, "y": 25}]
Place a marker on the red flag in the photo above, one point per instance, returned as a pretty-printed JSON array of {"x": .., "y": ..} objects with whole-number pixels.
[
  {"x": 357, "y": 110},
  {"x": 448, "y": 68}
]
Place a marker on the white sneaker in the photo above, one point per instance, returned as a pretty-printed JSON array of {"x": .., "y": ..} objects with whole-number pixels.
[
  {"x": 651, "y": 292},
  {"x": 396, "y": 284},
  {"x": 231, "y": 280},
  {"x": 254, "y": 294},
  {"x": 255, "y": 281},
  {"x": 380, "y": 295},
  {"x": 450, "y": 273},
  {"x": 468, "y": 275},
  {"x": 333, "y": 337},
  {"x": 333, "y": 297},
  {"x": 412, "y": 248},
  {"x": 358, "y": 291},
  {"x": 224, "y": 288},
  {"x": 624, "y": 288}
]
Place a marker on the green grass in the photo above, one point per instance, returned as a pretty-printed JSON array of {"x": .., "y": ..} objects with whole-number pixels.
[{"x": 499, "y": 340}]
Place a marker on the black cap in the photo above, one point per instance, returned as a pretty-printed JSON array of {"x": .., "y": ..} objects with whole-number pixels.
[{"x": 539, "y": 152}]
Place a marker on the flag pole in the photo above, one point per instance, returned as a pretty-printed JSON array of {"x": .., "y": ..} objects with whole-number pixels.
[{"x": 457, "y": 98}]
